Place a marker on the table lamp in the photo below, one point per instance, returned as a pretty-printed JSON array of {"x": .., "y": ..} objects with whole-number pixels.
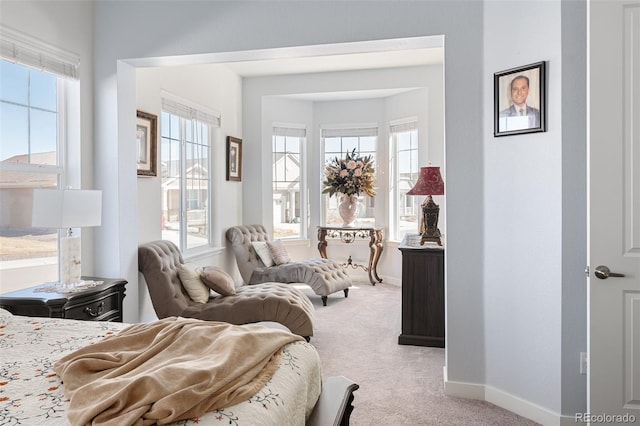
[
  {"x": 429, "y": 183},
  {"x": 67, "y": 209}
]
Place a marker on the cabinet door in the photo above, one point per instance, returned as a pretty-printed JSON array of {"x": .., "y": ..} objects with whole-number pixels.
[{"x": 423, "y": 297}]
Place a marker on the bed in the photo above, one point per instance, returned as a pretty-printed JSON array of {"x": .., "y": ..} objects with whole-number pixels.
[{"x": 32, "y": 393}]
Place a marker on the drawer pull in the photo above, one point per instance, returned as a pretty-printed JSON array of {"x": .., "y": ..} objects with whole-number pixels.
[{"x": 93, "y": 314}]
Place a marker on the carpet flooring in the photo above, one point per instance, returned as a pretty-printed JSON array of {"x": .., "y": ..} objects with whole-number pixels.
[{"x": 357, "y": 337}]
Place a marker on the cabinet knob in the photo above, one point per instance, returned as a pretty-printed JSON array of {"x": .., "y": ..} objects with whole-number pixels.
[{"x": 95, "y": 313}]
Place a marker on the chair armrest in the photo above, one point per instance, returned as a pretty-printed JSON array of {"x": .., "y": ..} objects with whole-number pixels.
[{"x": 334, "y": 406}]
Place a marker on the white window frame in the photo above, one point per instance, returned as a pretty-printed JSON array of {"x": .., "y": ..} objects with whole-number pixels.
[
  {"x": 397, "y": 127},
  {"x": 27, "y": 51},
  {"x": 347, "y": 131},
  {"x": 188, "y": 111},
  {"x": 294, "y": 130}
]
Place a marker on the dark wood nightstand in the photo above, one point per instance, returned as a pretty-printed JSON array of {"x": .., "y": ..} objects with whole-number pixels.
[
  {"x": 100, "y": 303},
  {"x": 422, "y": 295}
]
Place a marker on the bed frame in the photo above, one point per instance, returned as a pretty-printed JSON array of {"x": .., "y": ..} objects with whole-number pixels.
[{"x": 335, "y": 404}]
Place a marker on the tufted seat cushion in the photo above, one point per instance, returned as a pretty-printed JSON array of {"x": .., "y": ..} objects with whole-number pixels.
[
  {"x": 324, "y": 276},
  {"x": 159, "y": 262}
]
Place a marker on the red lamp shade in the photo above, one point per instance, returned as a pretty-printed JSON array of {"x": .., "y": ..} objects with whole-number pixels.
[{"x": 429, "y": 182}]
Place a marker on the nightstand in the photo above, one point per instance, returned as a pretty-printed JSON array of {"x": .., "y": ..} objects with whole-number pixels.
[{"x": 100, "y": 303}]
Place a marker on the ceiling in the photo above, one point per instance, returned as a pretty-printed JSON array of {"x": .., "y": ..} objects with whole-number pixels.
[
  {"x": 332, "y": 63},
  {"x": 340, "y": 62}
]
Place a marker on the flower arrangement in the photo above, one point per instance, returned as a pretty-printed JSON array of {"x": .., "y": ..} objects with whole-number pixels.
[{"x": 352, "y": 175}]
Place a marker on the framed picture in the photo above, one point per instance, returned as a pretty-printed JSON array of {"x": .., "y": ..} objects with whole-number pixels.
[
  {"x": 519, "y": 100},
  {"x": 234, "y": 158},
  {"x": 147, "y": 140}
]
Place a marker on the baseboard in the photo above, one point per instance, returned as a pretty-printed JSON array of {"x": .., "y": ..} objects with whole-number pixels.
[
  {"x": 504, "y": 400},
  {"x": 461, "y": 389}
]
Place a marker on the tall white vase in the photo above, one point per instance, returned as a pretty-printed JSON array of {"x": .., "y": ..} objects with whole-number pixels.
[{"x": 348, "y": 210}]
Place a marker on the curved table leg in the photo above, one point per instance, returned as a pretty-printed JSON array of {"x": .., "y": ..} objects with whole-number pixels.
[{"x": 375, "y": 249}]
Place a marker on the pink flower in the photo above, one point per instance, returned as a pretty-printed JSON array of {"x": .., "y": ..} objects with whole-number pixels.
[
  {"x": 344, "y": 173},
  {"x": 357, "y": 172},
  {"x": 351, "y": 165}
]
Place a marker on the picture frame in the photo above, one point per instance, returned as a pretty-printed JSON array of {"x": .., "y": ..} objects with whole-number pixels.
[
  {"x": 519, "y": 98},
  {"x": 234, "y": 158},
  {"x": 147, "y": 143}
]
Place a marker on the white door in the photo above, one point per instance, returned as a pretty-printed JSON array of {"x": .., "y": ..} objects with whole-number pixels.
[{"x": 614, "y": 206}]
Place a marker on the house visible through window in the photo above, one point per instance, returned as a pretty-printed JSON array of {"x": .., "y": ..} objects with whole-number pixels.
[
  {"x": 337, "y": 142},
  {"x": 404, "y": 209},
  {"x": 38, "y": 100},
  {"x": 185, "y": 170},
  {"x": 289, "y": 203}
]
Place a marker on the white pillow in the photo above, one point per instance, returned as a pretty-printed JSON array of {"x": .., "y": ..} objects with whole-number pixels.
[
  {"x": 198, "y": 292},
  {"x": 263, "y": 252}
]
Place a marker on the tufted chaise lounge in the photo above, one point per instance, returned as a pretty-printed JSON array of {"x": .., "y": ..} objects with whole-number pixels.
[
  {"x": 324, "y": 276},
  {"x": 159, "y": 262}
]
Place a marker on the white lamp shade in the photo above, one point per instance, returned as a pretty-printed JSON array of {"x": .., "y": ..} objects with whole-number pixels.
[{"x": 66, "y": 208}]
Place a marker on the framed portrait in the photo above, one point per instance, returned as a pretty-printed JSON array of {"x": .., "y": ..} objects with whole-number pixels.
[
  {"x": 519, "y": 98},
  {"x": 147, "y": 140},
  {"x": 234, "y": 158}
]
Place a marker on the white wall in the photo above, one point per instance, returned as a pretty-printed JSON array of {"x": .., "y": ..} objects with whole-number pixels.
[
  {"x": 210, "y": 87},
  {"x": 530, "y": 220}
]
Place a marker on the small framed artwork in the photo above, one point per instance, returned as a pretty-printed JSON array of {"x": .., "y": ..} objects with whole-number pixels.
[
  {"x": 147, "y": 140},
  {"x": 519, "y": 100},
  {"x": 234, "y": 158}
]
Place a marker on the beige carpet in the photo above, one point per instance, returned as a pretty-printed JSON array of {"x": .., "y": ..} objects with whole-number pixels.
[{"x": 357, "y": 337}]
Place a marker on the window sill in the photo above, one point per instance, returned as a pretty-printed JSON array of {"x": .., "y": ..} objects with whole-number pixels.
[
  {"x": 198, "y": 254},
  {"x": 296, "y": 243}
]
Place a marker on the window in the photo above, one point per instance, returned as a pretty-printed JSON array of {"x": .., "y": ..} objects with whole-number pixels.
[
  {"x": 39, "y": 98},
  {"x": 337, "y": 142},
  {"x": 289, "y": 202},
  {"x": 404, "y": 209},
  {"x": 186, "y": 182}
]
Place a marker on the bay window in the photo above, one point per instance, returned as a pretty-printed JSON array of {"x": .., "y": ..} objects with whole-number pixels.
[
  {"x": 404, "y": 209},
  {"x": 289, "y": 198},
  {"x": 337, "y": 142}
]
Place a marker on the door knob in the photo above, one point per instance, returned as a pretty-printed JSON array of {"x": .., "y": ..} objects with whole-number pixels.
[{"x": 603, "y": 273}]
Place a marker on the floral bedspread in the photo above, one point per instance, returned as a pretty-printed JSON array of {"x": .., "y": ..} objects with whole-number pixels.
[{"x": 32, "y": 394}]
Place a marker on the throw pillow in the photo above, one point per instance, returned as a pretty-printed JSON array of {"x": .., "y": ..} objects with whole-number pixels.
[
  {"x": 218, "y": 280},
  {"x": 263, "y": 252},
  {"x": 278, "y": 252},
  {"x": 198, "y": 292}
]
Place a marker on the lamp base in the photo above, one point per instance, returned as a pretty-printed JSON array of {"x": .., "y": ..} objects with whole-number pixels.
[
  {"x": 70, "y": 263},
  {"x": 433, "y": 236},
  {"x": 430, "y": 214}
]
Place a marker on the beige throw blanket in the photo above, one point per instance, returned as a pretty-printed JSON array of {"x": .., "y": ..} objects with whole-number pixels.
[{"x": 168, "y": 370}]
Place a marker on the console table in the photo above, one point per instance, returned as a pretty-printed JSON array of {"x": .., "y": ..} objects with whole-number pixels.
[
  {"x": 422, "y": 294},
  {"x": 100, "y": 303},
  {"x": 349, "y": 235}
]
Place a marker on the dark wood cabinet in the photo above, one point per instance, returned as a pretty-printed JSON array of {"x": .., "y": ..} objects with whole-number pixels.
[
  {"x": 100, "y": 303},
  {"x": 422, "y": 296}
]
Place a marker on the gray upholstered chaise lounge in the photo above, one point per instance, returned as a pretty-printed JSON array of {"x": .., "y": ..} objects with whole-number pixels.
[
  {"x": 324, "y": 276},
  {"x": 159, "y": 262}
]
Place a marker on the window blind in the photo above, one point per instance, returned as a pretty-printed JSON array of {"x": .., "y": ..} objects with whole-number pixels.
[
  {"x": 349, "y": 132},
  {"x": 190, "y": 113},
  {"x": 25, "y": 50},
  {"x": 289, "y": 131},
  {"x": 403, "y": 126}
]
